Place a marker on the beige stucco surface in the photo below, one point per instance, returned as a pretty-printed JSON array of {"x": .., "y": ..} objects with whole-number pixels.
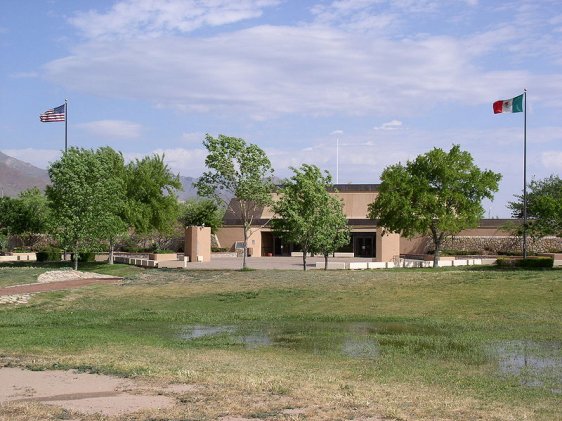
[{"x": 198, "y": 243}]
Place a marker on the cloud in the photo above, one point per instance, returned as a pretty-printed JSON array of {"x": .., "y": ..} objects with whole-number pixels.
[
  {"x": 152, "y": 18},
  {"x": 390, "y": 125},
  {"x": 113, "y": 129},
  {"x": 267, "y": 71}
]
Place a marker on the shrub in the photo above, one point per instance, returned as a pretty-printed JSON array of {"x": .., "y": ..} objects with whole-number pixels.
[
  {"x": 528, "y": 263},
  {"x": 49, "y": 254},
  {"x": 218, "y": 249},
  {"x": 164, "y": 251}
]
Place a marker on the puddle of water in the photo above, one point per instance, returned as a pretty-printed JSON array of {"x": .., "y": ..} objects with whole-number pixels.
[
  {"x": 200, "y": 331},
  {"x": 536, "y": 364},
  {"x": 360, "y": 348},
  {"x": 256, "y": 340},
  {"x": 353, "y": 340}
]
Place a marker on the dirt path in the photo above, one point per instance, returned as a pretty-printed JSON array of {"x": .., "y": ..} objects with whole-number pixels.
[
  {"x": 55, "y": 286},
  {"x": 84, "y": 393}
]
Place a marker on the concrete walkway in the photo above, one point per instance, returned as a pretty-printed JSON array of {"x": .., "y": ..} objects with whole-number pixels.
[{"x": 277, "y": 262}]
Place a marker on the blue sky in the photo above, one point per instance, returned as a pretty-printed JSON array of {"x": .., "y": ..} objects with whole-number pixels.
[{"x": 388, "y": 79}]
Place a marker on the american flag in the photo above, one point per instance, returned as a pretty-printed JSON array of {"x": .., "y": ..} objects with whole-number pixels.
[{"x": 54, "y": 114}]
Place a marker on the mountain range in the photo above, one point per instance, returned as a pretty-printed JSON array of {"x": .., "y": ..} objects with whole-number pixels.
[{"x": 17, "y": 176}]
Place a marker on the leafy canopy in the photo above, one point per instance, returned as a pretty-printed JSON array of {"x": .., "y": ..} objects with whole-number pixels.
[
  {"x": 437, "y": 194},
  {"x": 308, "y": 215},
  {"x": 202, "y": 212},
  {"x": 544, "y": 207},
  {"x": 84, "y": 198},
  {"x": 236, "y": 168},
  {"x": 151, "y": 200}
]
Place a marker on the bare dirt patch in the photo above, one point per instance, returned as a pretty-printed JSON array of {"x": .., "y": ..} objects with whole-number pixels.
[{"x": 81, "y": 392}]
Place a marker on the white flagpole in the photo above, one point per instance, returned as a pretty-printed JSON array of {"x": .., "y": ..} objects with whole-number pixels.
[
  {"x": 65, "y": 125},
  {"x": 338, "y": 160},
  {"x": 525, "y": 174}
]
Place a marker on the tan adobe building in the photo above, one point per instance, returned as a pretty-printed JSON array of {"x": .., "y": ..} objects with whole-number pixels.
[{"x": 366, "y": 238}]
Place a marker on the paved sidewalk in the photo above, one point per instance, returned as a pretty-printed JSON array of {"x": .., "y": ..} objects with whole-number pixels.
[{"x": 277, "y": 262}]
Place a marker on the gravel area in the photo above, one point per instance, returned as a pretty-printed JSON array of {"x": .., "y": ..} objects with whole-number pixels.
[
  {"x": 52, "y": 281},
  {"x": 65, "y": 275}
]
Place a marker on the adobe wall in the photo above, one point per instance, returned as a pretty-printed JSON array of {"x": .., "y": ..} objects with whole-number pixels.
[
  {"x": 387, "y": 247},
  {"x": 482, "y": 244},
  {"x": 228, "y": 236},
  {"x": 198, "y": 244}
]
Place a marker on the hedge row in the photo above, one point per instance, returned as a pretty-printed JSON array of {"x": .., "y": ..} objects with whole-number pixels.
[{"x": 528, "y": 263}]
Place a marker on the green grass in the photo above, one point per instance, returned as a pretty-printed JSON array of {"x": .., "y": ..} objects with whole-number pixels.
[
  {"x": 402, "y": 344},
  {"x": 17, "y": 273}
]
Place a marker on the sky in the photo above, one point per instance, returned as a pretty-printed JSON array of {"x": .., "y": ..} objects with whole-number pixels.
[{"x": 386, "y": 80}]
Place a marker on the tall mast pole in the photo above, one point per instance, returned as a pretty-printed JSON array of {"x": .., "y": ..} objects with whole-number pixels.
[
  {"x": 338, "y": 160},
  {"x": 525, "y": 175},
  {"x": 65, "y": 125}
]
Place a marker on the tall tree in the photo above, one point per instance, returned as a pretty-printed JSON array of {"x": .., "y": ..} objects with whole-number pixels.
[
  {"x": 333, "y": 231},
  {"x": 241, "y": 170},
  {"x": 544, "y": 207},
  {"x": 117, "y": 225},
  {"x": 307, "y": 215},
  {"x": 437, "y": 194},
  {"x": 152, "y": 203},
  {"x": 83, "y": 198}
]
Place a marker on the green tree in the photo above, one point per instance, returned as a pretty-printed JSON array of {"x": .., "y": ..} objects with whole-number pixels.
[
  {"x": 201, "y": 212},
  {"x": 83, "y": 198},
  {"x": 544, "y": 207},
  {"x": 437, "y": 194},
  {"x": 333, "y": 231},
  {"x": 25, "y": 215},
  {"x": 152, "y": 203},
  {"x": 117, "y": 223},
  {"x": 33, "y": 213},
  {"x": 8, "y": 212},
  {"x": 241, "y": 170},
  {"x": 307, "y": 215}
]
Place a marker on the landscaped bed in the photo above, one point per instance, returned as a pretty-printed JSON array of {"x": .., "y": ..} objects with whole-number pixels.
[{"x": 459, "y": 343}]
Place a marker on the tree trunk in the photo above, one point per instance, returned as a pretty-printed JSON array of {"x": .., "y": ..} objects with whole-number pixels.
[
  {"x": 304, "y": 253},
  {"x": 437, "y": 240},
  {"x": 111, "y": 247},
  {"x": 75, "y": 259},
  {"x": 325, "y": 261},
  {"x": 245, "y": 247}
]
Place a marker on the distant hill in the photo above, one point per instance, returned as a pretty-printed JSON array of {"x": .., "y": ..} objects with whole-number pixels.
[
  {"x": 17, "y": 176},
  {"x": 188, "y": 190}
]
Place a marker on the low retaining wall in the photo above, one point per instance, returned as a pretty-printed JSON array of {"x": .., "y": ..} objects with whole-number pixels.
[
  {"x": 150, "y": 263},
  {"x": 499, "y": 245},
  {"x": 18, "y": 257}
]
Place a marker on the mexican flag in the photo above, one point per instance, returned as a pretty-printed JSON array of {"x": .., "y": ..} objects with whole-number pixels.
[{"x": 513, "y": 105}]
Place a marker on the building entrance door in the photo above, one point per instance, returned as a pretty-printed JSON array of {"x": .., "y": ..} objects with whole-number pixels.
[{"x": 363, "y": 246}]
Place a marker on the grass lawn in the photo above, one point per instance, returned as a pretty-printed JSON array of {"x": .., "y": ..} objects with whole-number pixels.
[{"x": 399, "y": 344}]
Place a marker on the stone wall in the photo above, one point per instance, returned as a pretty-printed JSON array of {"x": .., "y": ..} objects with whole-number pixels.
[{"x": 498, "y": 245}]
